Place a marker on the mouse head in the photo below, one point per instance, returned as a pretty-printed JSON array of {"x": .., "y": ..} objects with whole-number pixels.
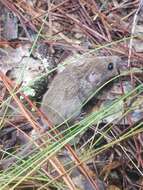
[{"x": 103, "y": 69}]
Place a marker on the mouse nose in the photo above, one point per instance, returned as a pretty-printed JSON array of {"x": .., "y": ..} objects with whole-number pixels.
[{"x": 121, "y": 66}]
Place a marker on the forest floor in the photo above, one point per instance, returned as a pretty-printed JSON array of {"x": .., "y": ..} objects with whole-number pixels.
[{"x": 103, "y": 147}]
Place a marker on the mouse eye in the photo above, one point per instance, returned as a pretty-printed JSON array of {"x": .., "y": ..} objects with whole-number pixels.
[{"x": 110, "y": 66}]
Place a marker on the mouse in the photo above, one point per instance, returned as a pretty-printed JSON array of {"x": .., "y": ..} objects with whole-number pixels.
[{"x": 74, "y": 85}]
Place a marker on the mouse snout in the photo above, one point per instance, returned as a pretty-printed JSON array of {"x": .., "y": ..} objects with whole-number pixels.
[{"x": 120, "y": 66}]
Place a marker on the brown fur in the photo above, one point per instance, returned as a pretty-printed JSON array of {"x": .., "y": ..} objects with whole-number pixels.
[{"x": 75, "y": 84}]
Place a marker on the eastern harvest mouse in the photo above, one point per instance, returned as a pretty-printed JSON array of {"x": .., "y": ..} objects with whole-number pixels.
[
  {"x": 74, "y": 85},
  {"x": 70, "y": 89}
]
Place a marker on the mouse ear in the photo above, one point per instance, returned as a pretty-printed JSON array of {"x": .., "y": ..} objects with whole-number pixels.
[{"x": 92, "y": 77}]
